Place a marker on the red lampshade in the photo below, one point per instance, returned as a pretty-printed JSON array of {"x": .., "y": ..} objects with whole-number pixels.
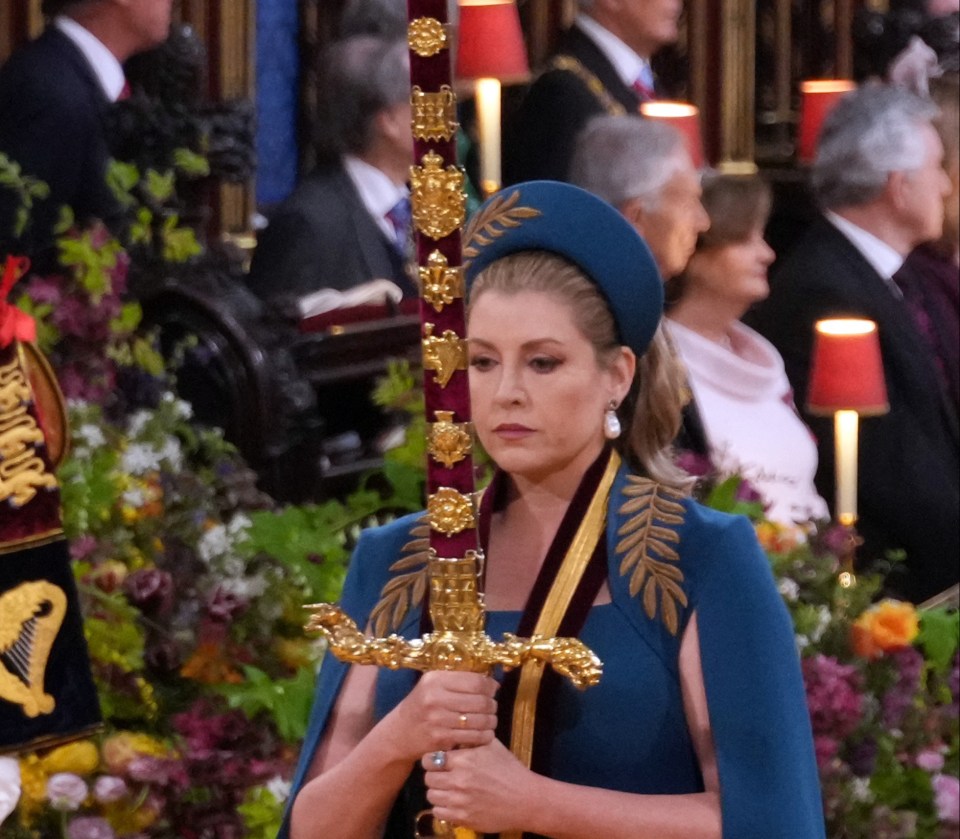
[
  {"x": 847, "y": 371},
  {"x": 682, "y": 116},
  {"x": 490, "y": 42},
  {"x": 817, "y": 98}
]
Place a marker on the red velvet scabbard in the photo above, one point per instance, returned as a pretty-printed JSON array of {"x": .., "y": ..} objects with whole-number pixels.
[{"x": 438, "y": 202}]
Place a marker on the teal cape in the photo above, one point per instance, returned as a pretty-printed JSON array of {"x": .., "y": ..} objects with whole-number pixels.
[{"x": 629, "y": 733}]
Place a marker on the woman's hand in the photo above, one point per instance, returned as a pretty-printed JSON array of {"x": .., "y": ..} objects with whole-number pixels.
[
  {"x": 445, "y": 710},
  {"x": 485, "y": 788}
]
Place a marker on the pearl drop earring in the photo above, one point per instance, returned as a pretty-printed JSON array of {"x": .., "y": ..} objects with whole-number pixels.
[{"x": 611, "y": 422}]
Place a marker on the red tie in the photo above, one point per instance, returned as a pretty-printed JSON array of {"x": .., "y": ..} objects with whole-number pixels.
[
  {"x": 124, "y": 91},
  {"x": 644, "y": 92}
]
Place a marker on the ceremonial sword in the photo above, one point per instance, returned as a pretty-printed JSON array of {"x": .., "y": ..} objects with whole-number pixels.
[{"x": 458, "y": 640}]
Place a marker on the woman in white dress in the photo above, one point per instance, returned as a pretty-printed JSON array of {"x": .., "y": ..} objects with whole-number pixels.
[{"x": 740, "y": 390}]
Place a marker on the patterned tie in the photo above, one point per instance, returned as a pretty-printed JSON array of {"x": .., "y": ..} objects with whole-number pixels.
[
  {"x": 400, "y": 219},
  {"x": 643, "y": 85}
]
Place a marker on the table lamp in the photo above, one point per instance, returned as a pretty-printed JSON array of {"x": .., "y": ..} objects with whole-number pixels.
[
  {"x": 817, "y": 99},
  {"x": 490, "y": 51},
  {"x": 685, "y": 118},
  {"x": 846, "y": 380}
]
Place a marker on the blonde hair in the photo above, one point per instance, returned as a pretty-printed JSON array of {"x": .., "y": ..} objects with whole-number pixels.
[{"x": 651, "y": 413}]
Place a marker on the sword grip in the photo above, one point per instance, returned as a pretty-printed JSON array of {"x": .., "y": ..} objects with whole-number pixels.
[{"x": 440, "y": 829}]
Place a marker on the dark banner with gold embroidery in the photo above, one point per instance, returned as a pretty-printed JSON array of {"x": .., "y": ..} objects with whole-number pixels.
[{"x": 47, "y": 693}]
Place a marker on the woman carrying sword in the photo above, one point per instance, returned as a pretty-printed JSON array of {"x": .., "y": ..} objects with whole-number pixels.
[{"x": 698, "y": 727}]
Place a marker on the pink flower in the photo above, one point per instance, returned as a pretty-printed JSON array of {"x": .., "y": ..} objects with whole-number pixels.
[
  {"x": 90, "y": 828},
  {"x": 109, "y": 788},
  {"x": 694, "y": 464},
  {"x": 833, "y": 696},
  {"x": 825, "y": 749},
  {"x": 82, "y": 547},
  {"x": 946, "y": 788},
  {"x": 66, "y": 791},
  {"x": 225, "y": 605},
  {"x": 930, "y": 760},
  {"x": 150, "y": 590}
]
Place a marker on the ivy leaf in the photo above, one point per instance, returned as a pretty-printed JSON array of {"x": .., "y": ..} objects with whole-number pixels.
[
  {"x": 190, "y": 163},
  {"x": 160, "y": 185},
  {"x": 939, "y": 636},
  {"x": 121, "y": 179}
]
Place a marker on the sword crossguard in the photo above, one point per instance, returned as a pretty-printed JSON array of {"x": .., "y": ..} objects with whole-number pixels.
[{"x": 471, "y": 651}]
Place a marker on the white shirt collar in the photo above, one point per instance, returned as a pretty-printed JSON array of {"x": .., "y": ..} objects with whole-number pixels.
[
  {"x": 885, "y": 260},
  {"x": 106, "y": 67},
  {"x": 624, "y": 60},
  {"x": 377, "y": 192}
]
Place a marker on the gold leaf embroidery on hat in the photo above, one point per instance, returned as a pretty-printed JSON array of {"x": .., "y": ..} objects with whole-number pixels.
[
  {"x": 406, "y": 590},
  {"x": 647, "y": 545},
  {"x": 490, "y": 223}
]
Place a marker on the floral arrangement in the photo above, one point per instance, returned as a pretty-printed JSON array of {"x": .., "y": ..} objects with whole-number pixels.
[
  {"x": 882, "y": 679},
  {"x": 191, "y": 582}
]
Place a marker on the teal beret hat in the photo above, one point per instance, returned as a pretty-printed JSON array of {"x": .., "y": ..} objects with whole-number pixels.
[{"x": 575, "y": 224}]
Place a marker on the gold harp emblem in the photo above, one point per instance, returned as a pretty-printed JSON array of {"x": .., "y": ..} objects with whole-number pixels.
[
  {"x": 426, "y": 36},
  {"x": 439, "y": 202},
  {"x": 444, "y": 355},
  {"x": 450, "y": 441},
  {"x": 441, "y": 284},
  {"x": 434, "y": 114},
  {"x": 450, "y": 511},
  {"x": 30, "y": 618},
  {"x": 22, "y": 471}
]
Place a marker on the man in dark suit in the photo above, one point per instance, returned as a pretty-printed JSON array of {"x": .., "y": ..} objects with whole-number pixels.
[
  {"x": 348, "y": 222},
  {"x": 54, "y": 95},
  {"x": 602, "y": 66},
  {"x": 878, "y": 177}
]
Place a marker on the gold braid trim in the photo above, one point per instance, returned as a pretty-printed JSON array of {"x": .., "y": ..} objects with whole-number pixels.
[
  {"x": 569, "y": 64},
  {"x": 407, "y": 589},
  {"x": 646, "y": 544}
]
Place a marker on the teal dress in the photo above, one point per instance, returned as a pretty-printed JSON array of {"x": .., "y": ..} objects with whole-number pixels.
[{"x": 629, "y": 732}]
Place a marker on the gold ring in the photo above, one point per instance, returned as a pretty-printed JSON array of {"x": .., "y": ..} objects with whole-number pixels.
[{"x": 462, "y": 720}]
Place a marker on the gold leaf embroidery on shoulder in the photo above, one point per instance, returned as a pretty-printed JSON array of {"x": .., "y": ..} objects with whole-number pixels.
[
  {"x": 493, "y": 221},
  {"x": 647, "y": 547},
  {"x": 407, "y": 585}
]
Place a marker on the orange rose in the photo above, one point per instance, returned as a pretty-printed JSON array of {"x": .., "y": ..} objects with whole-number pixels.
[{"x": 886, "y": 626}]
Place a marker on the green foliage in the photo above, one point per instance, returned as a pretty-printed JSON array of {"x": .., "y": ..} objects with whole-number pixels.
[
  {"x": 262, "y": 813},
  {"x": 26, "y": 188},
  {"x": 89, "y": 490},
  {"x": 939, "y": 636},
  {"x": 179, "y": 243},
  {"x": 191, "y": 164},
  {"x": 47, "y": 333},
  {"x": 723, "y": 497},
  {"x": 150, "y": 200},
  {"x": 286, "y": 701}
]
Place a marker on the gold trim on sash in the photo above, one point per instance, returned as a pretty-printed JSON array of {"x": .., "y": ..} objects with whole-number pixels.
[{"x": 571, "y": 571}]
